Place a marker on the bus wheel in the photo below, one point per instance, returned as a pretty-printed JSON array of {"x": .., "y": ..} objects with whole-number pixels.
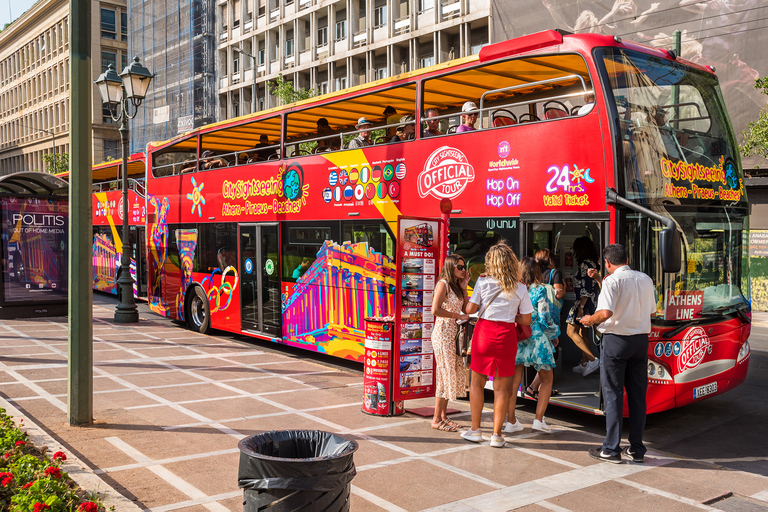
[{"x": 198, "y": 311}]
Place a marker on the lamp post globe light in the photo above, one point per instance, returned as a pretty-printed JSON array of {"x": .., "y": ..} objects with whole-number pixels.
[{"x": 117, "y": 91}]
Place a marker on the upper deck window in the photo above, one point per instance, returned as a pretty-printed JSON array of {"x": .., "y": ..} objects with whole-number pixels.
[
  {"x": 331, "y": 126},
  {"x": 510, "y": 92}
]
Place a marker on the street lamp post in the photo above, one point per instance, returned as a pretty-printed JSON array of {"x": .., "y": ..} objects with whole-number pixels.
[
  {"x": 117, "y": 91},
  {"x": 255, "y": 65}
]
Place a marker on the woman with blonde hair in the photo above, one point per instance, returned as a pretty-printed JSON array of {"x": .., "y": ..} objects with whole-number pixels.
[
  {"x": 448, "y": 303},
  {"x": 502, "y": 301}
]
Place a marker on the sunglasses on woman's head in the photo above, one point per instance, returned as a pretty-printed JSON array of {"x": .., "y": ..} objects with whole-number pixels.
[{"x": 461, "y": 267}]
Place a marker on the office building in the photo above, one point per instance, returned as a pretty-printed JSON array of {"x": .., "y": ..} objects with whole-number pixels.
[{"x": 34, "y": 82}]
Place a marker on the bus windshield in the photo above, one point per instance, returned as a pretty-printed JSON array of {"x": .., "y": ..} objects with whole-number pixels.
[{"x": 676, "y": 139}]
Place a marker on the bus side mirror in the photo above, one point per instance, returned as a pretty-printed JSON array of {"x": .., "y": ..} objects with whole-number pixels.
[{"x": 671, "y": 247}]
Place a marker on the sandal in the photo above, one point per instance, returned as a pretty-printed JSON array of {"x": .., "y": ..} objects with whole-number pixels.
[
  {"x": 444, "y": 427},
  {"x": 529, "y": 391},
  {"x": 453, "y": 424}
]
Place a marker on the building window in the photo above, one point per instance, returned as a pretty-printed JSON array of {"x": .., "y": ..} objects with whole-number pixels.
[
  {"x": 261, "y": 57},
  {"x": 341, "y": 30},
  {"x": 108, "y": 58},
  {"x": 341, "y": 83},
  {"x": 111, "y": 149},
  {"x": 322, "y": 36},
  {"x": 322, "y": 88},
  {"x": 426, "y": 5},
  {"x": 124, "y": 26},
  {"x": 427, "y": 61},
  {"x": 108, "y": 24},
  {"x": 289, "y": 47},
  {"x": 123, "y": 61},
  {"x": 380, "y": 16},
  {"x": 106, "y": 117},
  {"x": 235, "y": 65},
  {"x": 381, "y": 73}
]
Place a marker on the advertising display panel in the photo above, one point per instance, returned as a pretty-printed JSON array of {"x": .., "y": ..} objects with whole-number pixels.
[
  {"x": 377, "y": 381},
  {"x": 418, "y": 257},
  {"x": 35, "y": 234}
]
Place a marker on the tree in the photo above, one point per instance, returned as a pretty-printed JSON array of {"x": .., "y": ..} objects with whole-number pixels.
[
  {"x": 56, "y": 163},
  {"x": 286, "y": 92},
  {"x": 755, "y": 142}
]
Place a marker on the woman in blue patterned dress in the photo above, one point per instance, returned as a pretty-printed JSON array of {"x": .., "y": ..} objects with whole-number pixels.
[{"x": 538, "y": 350}]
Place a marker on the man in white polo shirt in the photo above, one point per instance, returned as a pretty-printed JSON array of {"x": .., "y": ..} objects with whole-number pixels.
[{"x": 624, "y": 309}]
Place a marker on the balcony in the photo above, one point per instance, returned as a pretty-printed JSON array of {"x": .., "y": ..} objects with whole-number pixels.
[
  {"x": 403, "y": 25},
  {"x": 450, "y": 10},
  {"x": 359, "y": 38}
]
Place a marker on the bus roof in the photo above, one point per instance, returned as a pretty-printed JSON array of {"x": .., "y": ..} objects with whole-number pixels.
[
  {"x": 107, "y": 171},
  {"x": 529, "y": 44}
]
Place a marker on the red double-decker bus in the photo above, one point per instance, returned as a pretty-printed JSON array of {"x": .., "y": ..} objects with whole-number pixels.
[
  {"x": 108, "y": 224},
  {"x": 266, "y": 227}
]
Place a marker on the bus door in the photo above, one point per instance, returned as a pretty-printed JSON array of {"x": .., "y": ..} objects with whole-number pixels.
[
  {"x": 141, "y": 261},
  {"x": 547, "y": 231},
  {"x": 260, "y": 289}
]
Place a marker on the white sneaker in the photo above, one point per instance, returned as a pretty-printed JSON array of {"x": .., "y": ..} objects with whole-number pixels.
[
  {"x": 511, "y": 428},
  {"x": 497, "y": 441},
  {"x": 579, "y": 368},
  {"x": 592, "y": 366},
  {"x": 475, "y": 436},
  {"x": 541, "y": 426}
]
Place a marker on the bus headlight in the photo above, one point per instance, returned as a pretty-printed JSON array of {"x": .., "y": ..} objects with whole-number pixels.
[
  {"x": 658, "y": 373},
  {"x": 743, "y": 352}
]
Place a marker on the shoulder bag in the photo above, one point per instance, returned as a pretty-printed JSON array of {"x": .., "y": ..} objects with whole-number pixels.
[
  {"x": 523, "y": 331},
  {"x": 464, "y": 333}
]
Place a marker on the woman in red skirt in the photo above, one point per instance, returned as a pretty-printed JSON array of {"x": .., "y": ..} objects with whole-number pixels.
[{"x": 502, "y": 301}]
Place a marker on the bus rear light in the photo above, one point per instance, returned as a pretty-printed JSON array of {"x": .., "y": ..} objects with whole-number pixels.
[
  {"x": 658, "y": 373},
  {"x": 743, "y": 352}
]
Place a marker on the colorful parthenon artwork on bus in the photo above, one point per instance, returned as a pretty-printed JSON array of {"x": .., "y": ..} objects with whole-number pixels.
[
  {"x": 326, "y": 309},
  {"x": 104, "y": 264}
]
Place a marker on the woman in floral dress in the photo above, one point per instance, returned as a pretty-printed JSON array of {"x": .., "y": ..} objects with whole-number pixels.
[
  {"x": 538, "y": 350},
  {"x": 448, "y": 304}
]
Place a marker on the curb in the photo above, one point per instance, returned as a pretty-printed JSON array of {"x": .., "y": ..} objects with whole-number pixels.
[{"x": 75, "y": 468}]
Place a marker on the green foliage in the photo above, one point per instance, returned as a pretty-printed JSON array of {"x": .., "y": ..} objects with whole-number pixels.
[
  {"x": 287, "y": 93},
  {"x": 755, "y": 142},
  {"x": 56, "y": 163}
]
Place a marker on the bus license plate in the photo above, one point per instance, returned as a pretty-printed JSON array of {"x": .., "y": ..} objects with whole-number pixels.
[{"x": 704, "y": 390}]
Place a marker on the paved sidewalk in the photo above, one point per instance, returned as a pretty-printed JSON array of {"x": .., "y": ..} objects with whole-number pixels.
[{"x": 170, "y": 406}]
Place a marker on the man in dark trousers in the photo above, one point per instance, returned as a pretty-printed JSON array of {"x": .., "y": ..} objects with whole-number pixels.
[{"x": 624, "y": 309}]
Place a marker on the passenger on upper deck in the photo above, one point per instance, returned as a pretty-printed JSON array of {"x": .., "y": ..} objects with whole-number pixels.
[
  {"x": 265, "y": 152},
  {"x": 364, "y": 137},
  {"x": 406, "y": 130},
  {"x": 209, "y": 161},
  {"x": 324, "y": 129},
  {"x": 468, "y": 117},
  {"x": 589, "y": 103},
  {"x": 391, "y": 117},
  {"x": 433, "y": 125}
]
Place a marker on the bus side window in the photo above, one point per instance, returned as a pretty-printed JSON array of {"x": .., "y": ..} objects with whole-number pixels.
[
  {"x": 331, "y": 126},
  {"x": 372, "y": 232},
  {"x": 301, "y": 243},
  {"x": 525, "y": 89}
]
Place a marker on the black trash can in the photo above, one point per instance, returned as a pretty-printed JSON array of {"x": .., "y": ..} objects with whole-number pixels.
[{"x": 307, "y": 470}]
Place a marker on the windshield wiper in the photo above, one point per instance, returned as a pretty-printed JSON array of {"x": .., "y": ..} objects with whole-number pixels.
[{"x": 738, "y": 309}]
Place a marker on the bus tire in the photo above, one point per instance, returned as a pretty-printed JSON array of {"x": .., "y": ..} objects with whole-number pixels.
[{"x": 198, "y": 311}]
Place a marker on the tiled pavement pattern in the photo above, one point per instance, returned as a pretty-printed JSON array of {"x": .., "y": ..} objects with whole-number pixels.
[{"x": 170, "y": 406}]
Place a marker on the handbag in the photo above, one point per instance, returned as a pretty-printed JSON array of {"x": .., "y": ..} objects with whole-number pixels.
[
  {"x": 523, "y": 332},
  {"x": 465, "y": 331}
]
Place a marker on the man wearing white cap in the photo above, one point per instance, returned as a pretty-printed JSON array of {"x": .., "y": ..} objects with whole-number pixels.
[
  {"x": 469, "y": 114},
  {"x": 364, "y": 137}
]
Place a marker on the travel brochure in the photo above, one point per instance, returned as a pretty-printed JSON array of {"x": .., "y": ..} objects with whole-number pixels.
[{"x": 419, "y": 259}]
